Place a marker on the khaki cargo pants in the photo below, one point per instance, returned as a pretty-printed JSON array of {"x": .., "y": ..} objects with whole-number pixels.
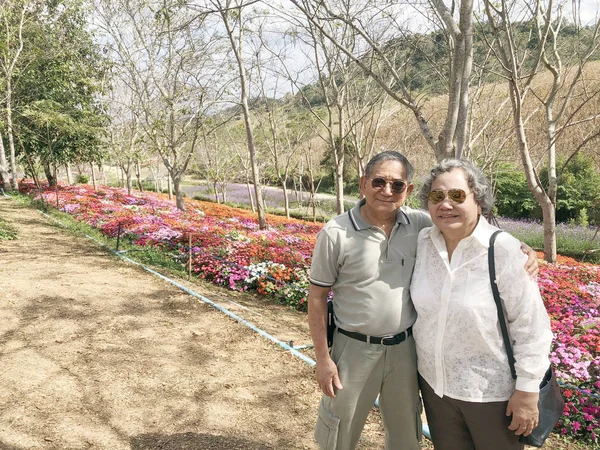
[{"x": 365, "y": 371}]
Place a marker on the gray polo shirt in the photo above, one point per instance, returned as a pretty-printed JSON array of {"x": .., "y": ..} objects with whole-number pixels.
[{"x": 368, "y": 273}]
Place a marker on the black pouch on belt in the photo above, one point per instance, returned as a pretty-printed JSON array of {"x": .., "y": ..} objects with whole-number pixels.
[{"x": 330, "y": 323}]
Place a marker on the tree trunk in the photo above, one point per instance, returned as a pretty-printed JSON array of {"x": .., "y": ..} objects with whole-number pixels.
[
  {"x": 178, "y": 193},
  {"x": 250, "y": 196},
  {"x": 548, "y": 205},
  {"x": 69, "y": 174},
  {"x": 216, "y": 191},
  {"x": 50, "y": 176},
  {"x": 128, "y": 178},
  {"x": 339, "y": 186},
  {"x": 93, "y": 176},
  {"x": 262, "y": 222},
  {"x": 286, "y": 201},
  {"x": 4, "y": 175},
  {"x": 549, "y": 215},
  {"x": 138, "y": 175},
  {"x": 9, "y": 126}
]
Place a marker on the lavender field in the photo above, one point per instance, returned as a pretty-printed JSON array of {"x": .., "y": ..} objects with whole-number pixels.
[
  {"x": 237, "y": 193},
  {"x": 570, "y": 239}
]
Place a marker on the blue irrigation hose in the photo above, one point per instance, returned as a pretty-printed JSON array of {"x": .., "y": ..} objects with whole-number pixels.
[{"x": 575, "y": 388}]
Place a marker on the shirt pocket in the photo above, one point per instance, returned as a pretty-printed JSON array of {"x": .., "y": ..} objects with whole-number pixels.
[{"x": 407, "y": 266}]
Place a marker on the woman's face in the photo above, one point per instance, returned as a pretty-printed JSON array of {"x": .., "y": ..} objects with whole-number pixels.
[{"x": 455, "y": 220}]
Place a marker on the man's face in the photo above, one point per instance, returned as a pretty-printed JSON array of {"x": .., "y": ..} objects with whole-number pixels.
[{"x": 383, "y": 201}]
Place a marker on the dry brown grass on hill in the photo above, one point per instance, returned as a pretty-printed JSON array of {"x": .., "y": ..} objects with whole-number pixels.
[{"x": 491, "y": 104}]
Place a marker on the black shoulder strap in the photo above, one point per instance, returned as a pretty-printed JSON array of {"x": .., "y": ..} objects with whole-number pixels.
[{"x": 501, "y": 319}]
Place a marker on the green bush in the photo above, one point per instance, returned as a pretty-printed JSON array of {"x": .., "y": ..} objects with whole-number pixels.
[
  {"x": 578, "y": 189},
  {"x": 513, "y": 198},
  {"x": 577, "y": 199},
  {"x": 82, "y": 178}
]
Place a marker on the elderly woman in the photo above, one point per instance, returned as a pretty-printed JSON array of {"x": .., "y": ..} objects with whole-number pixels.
[{"x": 470, "y": 398}]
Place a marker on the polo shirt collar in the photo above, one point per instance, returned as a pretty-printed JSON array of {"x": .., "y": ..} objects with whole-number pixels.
[{"x": 360, "y": 224}]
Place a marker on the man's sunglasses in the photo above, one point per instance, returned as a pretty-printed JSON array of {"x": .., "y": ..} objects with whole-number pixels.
[
  {"x": 398, "y": 186},
  {"x": 455, "y": 195}
]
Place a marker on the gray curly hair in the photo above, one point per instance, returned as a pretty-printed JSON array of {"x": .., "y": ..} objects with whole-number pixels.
[{"x": 475, "y": 177}]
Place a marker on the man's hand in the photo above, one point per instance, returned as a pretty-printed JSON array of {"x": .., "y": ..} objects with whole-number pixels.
[
  {"x": 523, "y": 406},
  {"x": 531, "y": 266},
  {"x": 327, "y": 377}
]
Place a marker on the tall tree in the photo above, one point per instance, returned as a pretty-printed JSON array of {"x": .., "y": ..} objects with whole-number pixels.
[
  {"x": 169, "y": 61},
  {"x": 333, "y": 73},
  {"x": 524, "y": 60},
  {"x": 232, "y": 16},
  {"x": 56, "y": 96},
  {"x": 373, "y": 24},
  {"x": 14, "y": 15}
]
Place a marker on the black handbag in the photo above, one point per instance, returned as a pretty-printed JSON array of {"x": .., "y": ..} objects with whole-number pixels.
[{"x": 550, "y": 403}]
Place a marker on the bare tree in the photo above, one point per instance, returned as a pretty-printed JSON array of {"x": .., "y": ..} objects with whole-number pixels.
[
  {"x": 563, "y": 103},
  {"x": 282, "y": 126},
  {"x": 332, "y": 71},
  {"x": 217, "y": 159},
  {"x": 374, "y": 23},
  {"x": 124, "y": 134},
  {"x": 170, "y": 63},
  {"x": 367, "y": 110},
  {"x": 233, "y": 19}
]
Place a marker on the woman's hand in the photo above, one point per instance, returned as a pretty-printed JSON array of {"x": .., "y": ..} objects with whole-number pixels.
[{"x": 523, "y": 406}]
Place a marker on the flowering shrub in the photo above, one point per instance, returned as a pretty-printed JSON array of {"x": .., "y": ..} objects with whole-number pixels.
[
  {"x": 227, "y": 246},
  {"x": 228, "y": 249},
  {"x": 572, "y": 297}
]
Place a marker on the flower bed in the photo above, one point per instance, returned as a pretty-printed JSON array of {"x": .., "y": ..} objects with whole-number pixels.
[{"x": 229, "y": 249}]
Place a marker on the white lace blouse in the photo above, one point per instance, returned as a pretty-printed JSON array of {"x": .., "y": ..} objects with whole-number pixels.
[{"x": 459, "y": 343}]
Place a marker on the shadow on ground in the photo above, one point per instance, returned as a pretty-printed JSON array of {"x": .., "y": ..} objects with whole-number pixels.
[{"x": 193, "y": 441}]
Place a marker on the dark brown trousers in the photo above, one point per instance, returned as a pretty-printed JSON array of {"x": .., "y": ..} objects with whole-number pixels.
[{"x": 459, "y": 425}]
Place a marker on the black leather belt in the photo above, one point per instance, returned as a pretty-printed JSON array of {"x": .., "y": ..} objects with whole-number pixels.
[{"x": 384, "y": 340}]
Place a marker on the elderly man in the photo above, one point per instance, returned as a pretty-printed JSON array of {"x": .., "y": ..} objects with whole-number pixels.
[{"x": 366, "y": 257}]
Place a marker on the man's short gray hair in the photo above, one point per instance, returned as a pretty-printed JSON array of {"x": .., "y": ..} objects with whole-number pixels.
[
  {"x": 390, "y": 155},
  {"x": 476, "y": 179}
]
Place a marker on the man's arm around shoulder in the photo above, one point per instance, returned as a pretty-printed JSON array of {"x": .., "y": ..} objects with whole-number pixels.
[{"x": 327, "y": 373}]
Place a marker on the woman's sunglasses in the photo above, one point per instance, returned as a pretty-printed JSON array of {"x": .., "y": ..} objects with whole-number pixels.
[
  {"x": 398, "y": 186},
  {"x": 455, "y": 195}
]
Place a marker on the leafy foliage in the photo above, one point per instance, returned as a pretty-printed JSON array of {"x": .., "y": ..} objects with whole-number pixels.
[
  {"x": 59, "y": 118},
  {"x": 578, "y": 190},
  {"x": 577, "y": 198},
  {"x": 513, "y": 198}
]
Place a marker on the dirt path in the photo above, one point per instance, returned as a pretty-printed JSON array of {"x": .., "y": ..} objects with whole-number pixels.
[{"x": 97, "y": 354}]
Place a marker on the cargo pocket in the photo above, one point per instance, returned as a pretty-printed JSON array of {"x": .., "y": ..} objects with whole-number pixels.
[
  {"x": 326, "y": 432},
  {"x": 419, "y": 421}
]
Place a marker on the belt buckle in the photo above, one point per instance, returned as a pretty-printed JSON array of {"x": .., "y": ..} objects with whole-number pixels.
[{"x": 389, "y": 340}]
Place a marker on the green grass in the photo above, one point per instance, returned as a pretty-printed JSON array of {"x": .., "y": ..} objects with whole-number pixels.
[{"x": 7, "y": 231}]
